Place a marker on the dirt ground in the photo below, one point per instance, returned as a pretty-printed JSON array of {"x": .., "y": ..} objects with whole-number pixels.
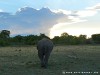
[{"x": 64, "y": 60}]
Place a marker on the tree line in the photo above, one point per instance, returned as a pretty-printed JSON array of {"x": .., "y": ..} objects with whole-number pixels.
[{"x": 64, "y": 39}]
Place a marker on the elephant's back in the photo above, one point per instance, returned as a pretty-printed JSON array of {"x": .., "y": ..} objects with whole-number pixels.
[{"x": 45, "y": 43}]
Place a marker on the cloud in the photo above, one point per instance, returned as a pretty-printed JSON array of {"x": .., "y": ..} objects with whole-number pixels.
[
  {"x": 78, "y": 19},
  {"x": 96, "y": 7},
  {"x": 89, "y": 11},
  {"x": 1, "y": 10},
  {"x": 86, "y": 13},
  {"x": 28, "y": 20},
  {"x": 62, "y": 11}
]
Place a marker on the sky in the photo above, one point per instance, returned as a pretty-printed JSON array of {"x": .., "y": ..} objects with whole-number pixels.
[{"x": 51, "y": 17}]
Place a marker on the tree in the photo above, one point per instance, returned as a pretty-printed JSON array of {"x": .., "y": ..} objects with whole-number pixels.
[
  {"x": 43, "y": 36},
  {"x": 56, "y": 40},
  {"x": 64, "y": 34},
  {"x": 30, "y": 39},
  {"x": 82, "y": 39},
  {"x": 4, "y": 37},
  {"x": 96, "y": 38},
  {"x": 5, "y": 34},
  {"x": 17, "y": 40},
  {"x": 64, "y": 38}
]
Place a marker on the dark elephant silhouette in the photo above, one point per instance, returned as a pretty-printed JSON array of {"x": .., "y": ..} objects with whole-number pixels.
[{"x": 44, "y": 47}]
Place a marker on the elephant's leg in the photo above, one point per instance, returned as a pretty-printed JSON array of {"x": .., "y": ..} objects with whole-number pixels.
[
  {"x": 46, "y": 58},
  {"x": 41, "y": 57}
]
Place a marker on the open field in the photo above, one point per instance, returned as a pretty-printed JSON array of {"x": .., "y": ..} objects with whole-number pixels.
[{"x": 25, "y": 61}]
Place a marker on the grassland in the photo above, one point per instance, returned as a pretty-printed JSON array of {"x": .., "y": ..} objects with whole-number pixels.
[{"x": 25, "y": 61}]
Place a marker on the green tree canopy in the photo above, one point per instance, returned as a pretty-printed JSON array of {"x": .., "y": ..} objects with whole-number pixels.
[{"x": 5, "y": 34}]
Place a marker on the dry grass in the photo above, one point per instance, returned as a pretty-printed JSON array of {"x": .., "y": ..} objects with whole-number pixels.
[{"x": 24, "y": 60}]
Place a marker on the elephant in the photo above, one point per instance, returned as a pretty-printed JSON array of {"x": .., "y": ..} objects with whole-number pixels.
[{"x": 44, "y": 47}]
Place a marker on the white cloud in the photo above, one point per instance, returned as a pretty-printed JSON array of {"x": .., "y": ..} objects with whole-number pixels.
[
  {"x": 57, "y": 29},
  {"x": 77, "y": 17},
  {"x": 86, "y": 13},
  {"x": 96, "y": 7},
  {"x": 30, "y": 20},
  {"x": 89, "y": 11},
  {"x": 62, "y": 11},
  {"x": 1, "y": 10}
]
